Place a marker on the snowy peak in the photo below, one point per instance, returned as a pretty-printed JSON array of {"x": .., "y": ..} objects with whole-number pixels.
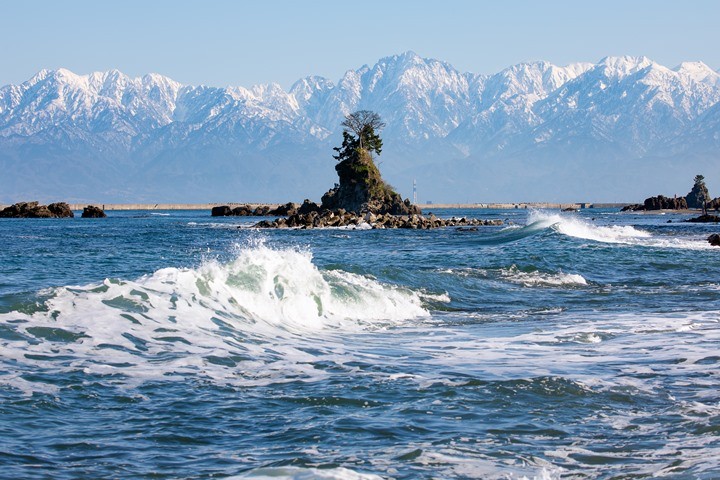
[
  {"x": 699, "y": 72},
  {"x": 625, "y": 100},
  {"x": 619, "y": 67}
]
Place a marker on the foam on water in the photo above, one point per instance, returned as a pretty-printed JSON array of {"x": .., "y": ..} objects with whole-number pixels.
[
  {"x": 543, "y": 279},
  {"x": 298, "y": 473},
  {"x": 614, "y": 234},
  {"x": 527, "y": 278},
  {"x": 258, "y": 314}
]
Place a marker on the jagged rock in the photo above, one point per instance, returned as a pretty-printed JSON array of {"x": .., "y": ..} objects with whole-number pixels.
[
  {"x": 664, "y": 203},
  {"x": 34, "y": 210},
  {"x": 91, "y": 211},
  {"x": 261, "y": 211},
  {"x": 341, "y": 218},
  {"x": 362, "y": 189},
  {"x": 307, "y": 207},
  {"x": 635, "y": 207},
  {"x": 714, "y": 239},
  {"x": 221, "y": 211},
  {"x": 713, "y": 204},
  {"x": 705, "y": 219},
  {"x": 284, "y": 210},
  {"x": 61, "y": 210},
  {"x": 698, "y": 195},
  {"x": 657, "y": 203},
  {"x": 242, "y": 211}
]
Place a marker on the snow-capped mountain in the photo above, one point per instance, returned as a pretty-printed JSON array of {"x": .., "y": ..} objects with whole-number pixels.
[{"x": 616, "y": 130}]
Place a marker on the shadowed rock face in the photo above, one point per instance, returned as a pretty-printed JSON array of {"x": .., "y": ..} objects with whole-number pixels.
[
  {"x": 714, "y": 239},
  {"x": 705, "y": 219},
  {"x": 91, "y": 211},
  {"x": 35, "y": 210},
  {"x": 659, "y": 203},
  {"x": 361, "y": 189},
  {"x": 341, "y": 218}
]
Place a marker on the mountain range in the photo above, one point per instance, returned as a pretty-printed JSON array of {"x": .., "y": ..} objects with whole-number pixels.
[{"x": 620, "y": 129}]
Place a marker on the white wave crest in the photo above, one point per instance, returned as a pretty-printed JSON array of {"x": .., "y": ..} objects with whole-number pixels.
[
  {"x": 298, "y": 473},
  {"x": 252, "y": 320},
  {"x": 615, "y": 234},
  {"x": 542, "y": 279}
]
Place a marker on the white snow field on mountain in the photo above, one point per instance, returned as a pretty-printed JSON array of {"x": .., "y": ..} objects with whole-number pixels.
[{"x": 581, "y": 132}]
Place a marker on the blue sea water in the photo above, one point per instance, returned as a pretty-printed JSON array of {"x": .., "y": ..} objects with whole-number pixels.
[{"x": 176, "y": 345}]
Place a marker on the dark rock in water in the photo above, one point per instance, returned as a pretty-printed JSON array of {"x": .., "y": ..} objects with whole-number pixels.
[
  {"x": 714, "y": 239},
  {"x": 34, "y": 210},
  {"x": 664, "y": 203},
  {"x": 657, "y": 203},
  {"x": 261, "y": 211},
  {"x": 248, "y": 211},
  {"x": 635, "y": 207},
  {"x": 307, "y": 207},
  {"x": 569, "y": 209},
  {"x": 705, "y": 219},
  {"x": 61, "y": 210},
  {"x": 698, "y": 195},
  {"x": 362, "y": 189},
  {"x": 221, "y": 211},
  {"x": 713, "y": 204},
  {"x": 342, "y": 218},
  {"x": 242, "y": 211},
  {"x": 91, "y": 211},
  {"x": 284, "y": 210}
]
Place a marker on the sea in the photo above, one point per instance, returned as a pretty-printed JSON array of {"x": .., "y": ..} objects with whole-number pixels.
[{"x": 173, "y": 344}]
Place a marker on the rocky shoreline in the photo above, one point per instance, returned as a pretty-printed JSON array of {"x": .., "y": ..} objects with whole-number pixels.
[
  {"x": 53, "y": 210},
  {"x": 342, "y": 218},
  {"x": 35, "y": 210}
]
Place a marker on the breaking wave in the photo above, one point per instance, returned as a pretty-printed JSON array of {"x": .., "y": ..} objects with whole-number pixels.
[
  {"x": 614, "y": 234},
  {"x": 268, "y": 314},
  {"x": 537, "y": 278}
]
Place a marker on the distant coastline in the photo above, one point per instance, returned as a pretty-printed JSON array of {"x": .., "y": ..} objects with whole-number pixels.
[{"x": 427, "y": 206}]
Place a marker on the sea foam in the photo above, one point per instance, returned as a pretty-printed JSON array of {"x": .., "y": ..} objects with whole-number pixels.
[
  {"x": 614, "y": 234},
  {"x": 251, "y": 320}
]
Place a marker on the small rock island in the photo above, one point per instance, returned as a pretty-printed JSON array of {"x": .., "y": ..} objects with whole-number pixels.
[
  {"x": 35, "y": 210},
  {"x": 361, "y": 196}
]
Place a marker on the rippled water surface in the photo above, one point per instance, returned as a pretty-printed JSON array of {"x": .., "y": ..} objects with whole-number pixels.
[{"x": 177, "y": 345}]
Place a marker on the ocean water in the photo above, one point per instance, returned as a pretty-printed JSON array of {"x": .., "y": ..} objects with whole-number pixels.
[{"x": 177, "y": 345}]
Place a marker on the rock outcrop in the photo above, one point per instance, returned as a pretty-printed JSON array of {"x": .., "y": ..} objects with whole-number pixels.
[
  {"x": 35, "y": 210},
  {"x": 705, "y": 219},
  {"x": 249, "y": 211},
  {"x": 342, "y": 218},
  {"x": 658, "y": 203},
  {"x": 362, "y": 189},
  {"x": 699, "y": 194},
  {"x": 714, "y": 239},
  {"x": 91, "y": 211},
  {"x": 713, "y": 204}
]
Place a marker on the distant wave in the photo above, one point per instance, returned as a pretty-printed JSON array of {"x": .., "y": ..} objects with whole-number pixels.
[
  {"x": 537, "y": 278},
  {"x": 527, "y": 277},
  {"x": 615, "y": 234}
]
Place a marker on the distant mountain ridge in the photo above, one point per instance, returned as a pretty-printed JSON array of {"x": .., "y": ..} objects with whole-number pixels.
[{"x": 615, "y": 130}]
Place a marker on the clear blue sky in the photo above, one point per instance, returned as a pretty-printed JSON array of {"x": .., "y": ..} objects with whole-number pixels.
[{"x": 223, "y": 43}]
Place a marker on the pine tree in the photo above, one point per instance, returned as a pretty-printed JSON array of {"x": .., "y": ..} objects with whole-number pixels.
[
  {"x": 360, "y": 133},
  {"x": 699, "y": 195}
]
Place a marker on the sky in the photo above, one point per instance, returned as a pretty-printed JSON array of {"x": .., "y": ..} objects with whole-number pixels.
[{"x": 221, "y": 43}]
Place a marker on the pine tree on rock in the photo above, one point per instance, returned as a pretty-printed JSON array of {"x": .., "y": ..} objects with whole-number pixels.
[
  {"x": 699, "y": 195},
  {"x": 361, "y": 187}
]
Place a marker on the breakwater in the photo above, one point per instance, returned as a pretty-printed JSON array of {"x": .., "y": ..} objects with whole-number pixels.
[
  {"x": 428, "y": 206},
  {"x": 167, "y": 206}
]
